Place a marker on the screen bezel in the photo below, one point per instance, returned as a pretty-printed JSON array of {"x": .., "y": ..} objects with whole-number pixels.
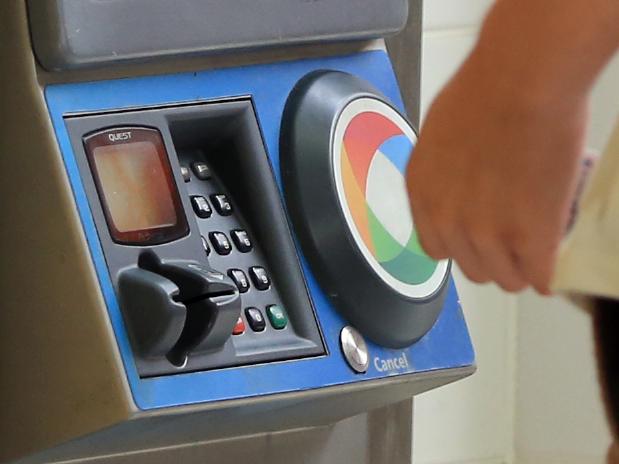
[{"x": 126, "y": 135}]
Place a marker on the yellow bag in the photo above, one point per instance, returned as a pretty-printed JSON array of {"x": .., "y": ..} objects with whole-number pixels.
[{"x": 588, "y": 261}]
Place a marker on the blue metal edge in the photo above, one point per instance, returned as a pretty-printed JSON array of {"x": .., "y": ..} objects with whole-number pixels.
[{"x": 446, "y": 346}]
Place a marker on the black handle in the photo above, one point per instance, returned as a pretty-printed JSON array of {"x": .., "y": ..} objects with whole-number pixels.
[{"x": 176, "y": 307}]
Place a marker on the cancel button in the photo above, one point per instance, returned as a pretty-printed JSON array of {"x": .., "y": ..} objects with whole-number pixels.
[{"x": 391, "y": 364}]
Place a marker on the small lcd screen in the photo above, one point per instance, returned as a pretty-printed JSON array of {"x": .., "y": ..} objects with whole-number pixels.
[{"x": 135, "y": 186}]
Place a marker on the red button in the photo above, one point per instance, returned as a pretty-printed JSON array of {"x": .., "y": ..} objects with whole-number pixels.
[{"x": 239, "y": 328}]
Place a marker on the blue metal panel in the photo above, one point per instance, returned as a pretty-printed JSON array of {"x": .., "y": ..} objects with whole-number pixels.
[{"x": 446, "y": 346}]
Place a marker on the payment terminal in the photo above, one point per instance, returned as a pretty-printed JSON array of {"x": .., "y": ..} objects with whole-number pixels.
[{"x": 208, "y": 252}]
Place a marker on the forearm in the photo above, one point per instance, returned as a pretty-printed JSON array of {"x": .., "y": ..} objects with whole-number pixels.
[{"x": 546, "y": 50}]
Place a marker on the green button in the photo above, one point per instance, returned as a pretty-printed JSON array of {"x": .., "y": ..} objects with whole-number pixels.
[{"x": 277, "y": 316}]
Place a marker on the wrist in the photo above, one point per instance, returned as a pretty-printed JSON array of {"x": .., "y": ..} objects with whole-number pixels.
[{"x": 516, "y": 89}]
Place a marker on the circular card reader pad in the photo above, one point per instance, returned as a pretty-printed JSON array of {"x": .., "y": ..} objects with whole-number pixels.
[{"x": 344, "y": 151}]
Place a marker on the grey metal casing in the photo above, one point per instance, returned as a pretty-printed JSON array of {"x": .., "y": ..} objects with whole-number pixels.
[
  {"x": 51, "y": 392},
  {"x": 76, "y": 33}
]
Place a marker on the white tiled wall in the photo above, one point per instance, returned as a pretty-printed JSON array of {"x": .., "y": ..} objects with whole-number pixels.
[
  {"x": 453, "y": 14},
  {"x": 534, "y": 398}
]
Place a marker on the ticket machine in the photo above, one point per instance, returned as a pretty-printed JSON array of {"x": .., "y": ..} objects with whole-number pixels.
[{"x": 207, "y": 249}]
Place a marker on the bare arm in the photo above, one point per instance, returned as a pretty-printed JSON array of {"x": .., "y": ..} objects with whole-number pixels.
[
  {"x": 553, "y": 46},
  {"x": 493, "y": 175}
]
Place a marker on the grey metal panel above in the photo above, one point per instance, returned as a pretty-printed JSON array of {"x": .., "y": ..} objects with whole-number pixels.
[{"x": 77, "y": 33}]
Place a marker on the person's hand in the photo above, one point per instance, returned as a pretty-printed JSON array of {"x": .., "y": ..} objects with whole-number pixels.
[{"x": 492, "y": 178}]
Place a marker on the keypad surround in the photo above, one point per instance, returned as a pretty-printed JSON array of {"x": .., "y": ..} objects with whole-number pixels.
[{"x": 233, "y": 249}]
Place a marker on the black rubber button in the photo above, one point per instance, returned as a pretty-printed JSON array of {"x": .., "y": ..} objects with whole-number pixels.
[
  {"x": 220, "y": 243},
  {"x": 201, "y": 170},
  {"x": 201, "y": 207},
  {"x": 255, "y": 319},
  {"x": 259, "y": 277},
  {"x": 222, "y": 204},
  {"x": 240, "y": 279},
  {"x": 241, "y": 240}
]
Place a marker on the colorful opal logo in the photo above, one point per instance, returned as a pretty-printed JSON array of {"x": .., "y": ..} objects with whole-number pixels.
[{"x": 372, "y": 146}]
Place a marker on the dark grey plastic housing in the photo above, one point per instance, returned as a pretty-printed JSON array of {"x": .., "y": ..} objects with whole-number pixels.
[
  {"x": 379, "y": 312},
  {"x": 226, "y": 136},
  {"x": 77, "y": 33}
]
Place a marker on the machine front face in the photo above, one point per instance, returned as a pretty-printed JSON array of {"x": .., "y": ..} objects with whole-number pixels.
[
  {"x": 218, "y": 251},
  {"x": 181, "y": 183}
]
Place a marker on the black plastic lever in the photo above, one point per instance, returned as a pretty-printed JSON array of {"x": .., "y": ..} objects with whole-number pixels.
[
  {"x": 176, "y": 307},
  {"x": 213, "y": 307},
  {"x": 194, "y": 280},
  {"x": 154, "y": 318}
]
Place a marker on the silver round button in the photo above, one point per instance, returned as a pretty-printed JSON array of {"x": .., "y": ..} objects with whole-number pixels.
[{"x": 355, "y": 349}]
